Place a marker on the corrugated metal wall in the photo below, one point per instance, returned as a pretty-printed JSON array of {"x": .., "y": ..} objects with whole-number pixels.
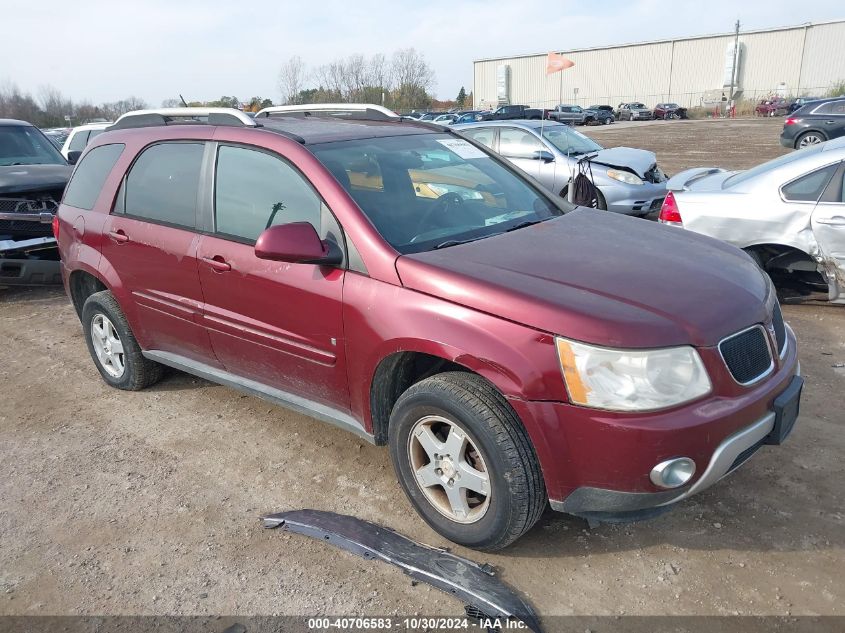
[{"x": 687, "y": 71}]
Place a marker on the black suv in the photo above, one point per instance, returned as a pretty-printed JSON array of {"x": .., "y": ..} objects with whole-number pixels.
[{"x": 815, "y": 122}]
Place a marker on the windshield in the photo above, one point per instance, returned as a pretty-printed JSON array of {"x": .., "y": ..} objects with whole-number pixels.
[
  {"x": 26, "y": 145},
  {"x": 568, "y": 141},
  {"x": 428, "y": 191},
  {"x": 759, "y": 170},
  {"x": 637, "y": 106}
]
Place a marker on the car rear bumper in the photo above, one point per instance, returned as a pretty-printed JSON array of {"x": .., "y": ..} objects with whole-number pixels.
[
  {"x": 29, "y": 272},
  {"x": 599, "y": 464}
]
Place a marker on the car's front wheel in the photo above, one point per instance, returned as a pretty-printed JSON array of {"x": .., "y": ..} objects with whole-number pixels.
[
  {"x": 465, "y": 461},
  {"x": 113, "y": 347}
]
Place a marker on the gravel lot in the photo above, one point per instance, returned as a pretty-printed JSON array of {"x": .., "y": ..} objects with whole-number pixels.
[{"x": 147, "y": 503}]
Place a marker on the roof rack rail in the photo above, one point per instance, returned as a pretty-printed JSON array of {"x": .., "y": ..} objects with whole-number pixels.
[
  {"x": 353, "y": 111},
  {"x": 175, "y": 116}
]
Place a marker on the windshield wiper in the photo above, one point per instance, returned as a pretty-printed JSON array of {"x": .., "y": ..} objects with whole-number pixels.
[
  {"x": 522, "y": 225},
  {"x": 449, "y": 243}
]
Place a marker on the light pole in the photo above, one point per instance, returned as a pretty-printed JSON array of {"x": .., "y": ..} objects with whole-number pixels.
[{"x": 575, "y": 92}]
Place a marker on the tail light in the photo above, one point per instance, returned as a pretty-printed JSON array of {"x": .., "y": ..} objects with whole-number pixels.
[
  {"x": 56, "y": 227},
  {"x": 791, "y": 121},
  {"x": 669, "y": 213}
]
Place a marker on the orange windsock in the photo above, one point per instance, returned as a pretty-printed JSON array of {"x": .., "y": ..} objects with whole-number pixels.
[{"x": 555, "y": 63}]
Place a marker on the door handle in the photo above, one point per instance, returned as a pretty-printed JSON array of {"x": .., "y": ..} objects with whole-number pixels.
[
  {"x": 831, "y": 221},
  {"x": 119, "y": 236},
  {"x": 218, "y": 263}
]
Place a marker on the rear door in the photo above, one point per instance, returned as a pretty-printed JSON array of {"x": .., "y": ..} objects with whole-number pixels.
[
  {"x": 829, "y": 229},
  {"x": 275, "y": 323},
  {"x": 151, "y": 243}
]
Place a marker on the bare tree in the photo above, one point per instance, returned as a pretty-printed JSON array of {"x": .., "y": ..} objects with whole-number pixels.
[
  {"x": 412, "y": 77},
  {"x": 171, "y": 103},
  {"x": 292, "y": 79}
]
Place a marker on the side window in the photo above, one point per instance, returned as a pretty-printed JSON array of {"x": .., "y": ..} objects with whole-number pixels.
[
  {"x": 90, "y": 175},
  {"x": 255, "y": 190},
  {"x": 483, "y": 135},
  {"x": 517, "y": 143},
  {"x": 162, "y": 184},
  {"x": 809, "y": 188},
  {"x": 79, "y": 141},
  {"x": 831, "y": 107},
  {"x": 94, "y": 134}
]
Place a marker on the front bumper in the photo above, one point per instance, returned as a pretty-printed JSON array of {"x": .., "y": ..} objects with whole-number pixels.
[
  {"x": 636, "y": 200},
  {"x": 596, "y": 464}
]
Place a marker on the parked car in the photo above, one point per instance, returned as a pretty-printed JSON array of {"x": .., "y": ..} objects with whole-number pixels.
[
  {"x": 629, "y": 180},
  {"x": 57, "y": 135},
  {"x": 816, "y": 122},
  {"x": 801, "y": 102},
  {"x": 80, "y": 136},
  {"x": 470, "y": 116},
  {"x": 634, "y": 112},
  {"x": 606, "y": 108},
  {"x": 788, "y": 214},
  {"x": 669, "y": 111},
  {"x": 33, "y": 175},
  {"x": 510, "y": 112},
  {"x": 473, "y": 333},
  {"x": 445, "y": 119},
  {"x": 599, "y": 116},
  {"x": 772, "y": 107},
  {"x": 571, "y": 114}
]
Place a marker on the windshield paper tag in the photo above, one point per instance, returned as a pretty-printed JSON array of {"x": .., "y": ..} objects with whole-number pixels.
[{"x": 462, "y": 148}]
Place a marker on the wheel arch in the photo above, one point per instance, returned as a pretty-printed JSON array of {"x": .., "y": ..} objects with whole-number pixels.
[{"x": 82, "y": 283}]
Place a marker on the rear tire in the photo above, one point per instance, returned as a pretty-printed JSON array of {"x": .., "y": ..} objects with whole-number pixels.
[
  {"x": 113, "y": 347},
  {"x": 463, "y": 410},
  {"x": 809, "y": 138}
]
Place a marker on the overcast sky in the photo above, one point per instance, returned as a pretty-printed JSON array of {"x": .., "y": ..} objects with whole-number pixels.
[{"x": 104, "y": 51}]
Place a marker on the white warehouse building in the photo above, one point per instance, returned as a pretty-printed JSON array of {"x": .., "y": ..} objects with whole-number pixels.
[{"x": 808, "y": 60}]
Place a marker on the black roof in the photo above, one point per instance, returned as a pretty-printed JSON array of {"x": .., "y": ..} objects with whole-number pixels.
[
  {"x": 315, "y": 130},
  {"x": 14, "y": 122}
]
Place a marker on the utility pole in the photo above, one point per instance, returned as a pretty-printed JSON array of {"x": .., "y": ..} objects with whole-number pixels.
[{"x": 733, "y": 68}]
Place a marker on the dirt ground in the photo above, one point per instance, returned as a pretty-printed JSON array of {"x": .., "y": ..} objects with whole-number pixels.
[{"x": 114, "y": 502}]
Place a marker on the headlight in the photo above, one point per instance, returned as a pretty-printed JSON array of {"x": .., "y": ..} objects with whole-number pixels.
[
  {"x": 631, "y": 380},
  {"x": 625, "y": 176}
]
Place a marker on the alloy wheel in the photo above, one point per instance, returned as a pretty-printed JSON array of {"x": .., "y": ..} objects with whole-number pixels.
[
  {"x": 449, "y": 469},
  {"x": 107, "y": 345},
  {"x": 809, "y": 139}
]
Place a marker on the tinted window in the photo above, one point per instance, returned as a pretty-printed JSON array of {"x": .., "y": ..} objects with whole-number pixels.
[
  {"x": 516, "y": 143},
  {"x": 832, "y": 107},
  {"x": 162, "y": 184},
  {"x": 78, "y": 141},
  {"x": 255, "y": 190},
  {"x": 90, "y": 175},
  {"x": 810, "y": 187},
  {"x": 483, "y": 135},
  {"x": 26, "y": 145}
]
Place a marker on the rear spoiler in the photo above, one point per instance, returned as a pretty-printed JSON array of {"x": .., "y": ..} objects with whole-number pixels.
[{"x": 682, "y": 181}]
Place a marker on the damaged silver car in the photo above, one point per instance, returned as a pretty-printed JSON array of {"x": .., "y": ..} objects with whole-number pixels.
[
  {"x": 628, "y": 180},
  {"x": 788, "y": 214}
]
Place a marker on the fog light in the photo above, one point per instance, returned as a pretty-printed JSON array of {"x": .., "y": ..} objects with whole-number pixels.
[{"x": 673, "y": 472}]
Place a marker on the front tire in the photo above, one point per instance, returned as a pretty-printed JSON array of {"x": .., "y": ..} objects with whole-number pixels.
[
  {"x": 113, "y": 347},
  {"x": 465, "y": 461}
]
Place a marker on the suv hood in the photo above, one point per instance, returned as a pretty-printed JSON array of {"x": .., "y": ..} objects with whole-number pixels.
[
  {"x": 638, "y": 160},
  {"x": 29, "y": 178},
  {"x": 601, "y": 278}
]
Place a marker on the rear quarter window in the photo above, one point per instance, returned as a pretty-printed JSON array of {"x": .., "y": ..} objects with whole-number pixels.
[{"x": 90, "y": 176}]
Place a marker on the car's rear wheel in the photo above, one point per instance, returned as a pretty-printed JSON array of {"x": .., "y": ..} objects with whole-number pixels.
[
  {"x": 465, "y": 461},
  {"x": 113, "y": 347},
  {"x": 809, "y": 138},
  {"x": 608, "y": 120}
]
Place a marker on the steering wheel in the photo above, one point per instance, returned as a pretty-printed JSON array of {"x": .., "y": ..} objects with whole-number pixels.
[{"x": 442, "y": 205}]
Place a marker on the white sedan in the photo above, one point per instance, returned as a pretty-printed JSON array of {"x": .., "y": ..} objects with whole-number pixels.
[{"x": 788, "y": 214}]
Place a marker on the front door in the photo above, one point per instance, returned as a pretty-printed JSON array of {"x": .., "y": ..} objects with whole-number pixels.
[
  {"x": 829, "y": 229},
  {"x": 522, "y": 148},
  {"x": 151, "y": 243},
  {"x": 276, "y": 323}
]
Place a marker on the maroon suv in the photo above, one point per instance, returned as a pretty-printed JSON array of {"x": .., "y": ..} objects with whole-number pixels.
[{"x": 408, "y": 285}]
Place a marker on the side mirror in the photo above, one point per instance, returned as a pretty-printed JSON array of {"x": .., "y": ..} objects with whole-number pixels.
[
  {"x": 73, "y": 156},
  {"x": 296, "y": 243},
  {"x": 543, "y": 155}
]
